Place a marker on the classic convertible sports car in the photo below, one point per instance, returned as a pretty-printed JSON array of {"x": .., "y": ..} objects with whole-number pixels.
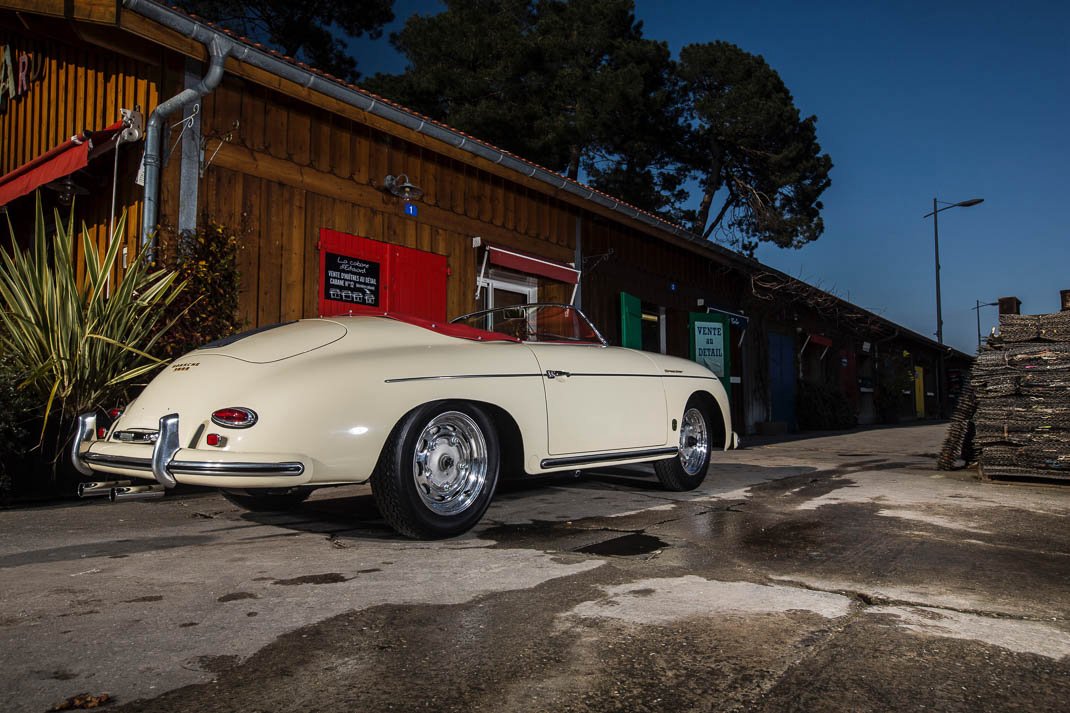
[{"x": 431, "y": 413}]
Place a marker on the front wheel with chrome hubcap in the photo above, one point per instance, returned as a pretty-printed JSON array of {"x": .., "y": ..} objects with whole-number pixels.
[
  {"x": 688, "y": 469},
  {"x": 438, "y": 471}
]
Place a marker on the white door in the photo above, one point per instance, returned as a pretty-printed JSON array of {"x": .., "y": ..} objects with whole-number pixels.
[{"x": 600, "y": 399}]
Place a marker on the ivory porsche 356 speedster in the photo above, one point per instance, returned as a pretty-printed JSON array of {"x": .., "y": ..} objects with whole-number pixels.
[{"x": 431, "y": 413}]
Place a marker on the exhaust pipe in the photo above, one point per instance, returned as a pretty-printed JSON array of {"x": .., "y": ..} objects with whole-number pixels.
[
  {"x": 92, "y": 490},
  {"x": 136, "y": 492}
]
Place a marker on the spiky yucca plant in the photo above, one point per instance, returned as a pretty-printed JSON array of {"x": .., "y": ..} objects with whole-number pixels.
[{"x": 74, "y": 347}]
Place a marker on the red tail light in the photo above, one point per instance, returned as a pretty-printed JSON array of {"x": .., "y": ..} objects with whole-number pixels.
[
  {"x": 115, "y": 413},
  {"x": 234, "y": 417},
  {"x": 101, "y": 432}
]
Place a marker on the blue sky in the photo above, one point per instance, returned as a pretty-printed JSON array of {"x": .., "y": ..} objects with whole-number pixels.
[{"x": 953, "y": 100}]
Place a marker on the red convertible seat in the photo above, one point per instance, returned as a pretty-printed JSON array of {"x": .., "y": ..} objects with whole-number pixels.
[{"x": 461, "y": 331}]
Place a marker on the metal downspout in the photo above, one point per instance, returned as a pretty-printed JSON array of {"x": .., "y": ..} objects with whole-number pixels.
[{"x": 218, "y": 49}]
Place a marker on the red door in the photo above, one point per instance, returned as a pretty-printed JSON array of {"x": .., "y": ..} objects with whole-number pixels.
[{"x": 364, "y": 276}]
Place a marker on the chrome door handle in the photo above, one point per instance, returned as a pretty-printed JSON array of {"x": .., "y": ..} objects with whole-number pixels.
[{"x": 554, "y": 373}]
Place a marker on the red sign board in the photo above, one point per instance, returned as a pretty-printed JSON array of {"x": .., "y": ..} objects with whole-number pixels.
[{"x": 364, "y": 276}]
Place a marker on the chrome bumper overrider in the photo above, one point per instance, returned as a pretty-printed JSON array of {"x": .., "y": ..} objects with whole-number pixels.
[{"x": 162, "y": 464}]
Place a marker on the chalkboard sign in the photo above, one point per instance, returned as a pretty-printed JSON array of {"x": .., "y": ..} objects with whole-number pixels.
[{"x": 350, "y": 279}]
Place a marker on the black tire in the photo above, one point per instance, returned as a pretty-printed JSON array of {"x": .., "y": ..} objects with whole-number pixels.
[
  {"x": 687, "y": 470},
  {"x": 428, "y": 486},
  {"x": 267, "y": 501}
]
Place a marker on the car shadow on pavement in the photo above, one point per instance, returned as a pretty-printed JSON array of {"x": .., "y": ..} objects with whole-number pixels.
[
  {"x": 353, "y": 515},
  {"x": 113, "y": 549}
]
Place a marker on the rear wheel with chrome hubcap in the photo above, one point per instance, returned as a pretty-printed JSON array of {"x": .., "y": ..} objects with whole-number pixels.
[{"x": 438, "y": 471}]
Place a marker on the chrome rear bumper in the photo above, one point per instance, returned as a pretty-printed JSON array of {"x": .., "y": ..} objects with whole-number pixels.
[{"x": 162, "y": 464}]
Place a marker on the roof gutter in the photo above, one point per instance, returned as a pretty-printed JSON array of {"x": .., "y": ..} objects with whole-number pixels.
[{"x": 219, "y": 46}]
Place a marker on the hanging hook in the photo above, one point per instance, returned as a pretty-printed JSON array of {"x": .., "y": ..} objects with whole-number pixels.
[
  {"x": 222, "y": 138},
  {"x": 187, "y": 124}
]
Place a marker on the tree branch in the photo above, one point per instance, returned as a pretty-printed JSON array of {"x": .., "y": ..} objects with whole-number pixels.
[{"x": 720, "y": 216}]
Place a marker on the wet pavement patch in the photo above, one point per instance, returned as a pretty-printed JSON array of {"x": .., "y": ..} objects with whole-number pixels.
[
  {"x": 216, "y": 664},
  {"x": 150, "y": 598},
  {"x": 636, "y": 543},
  {"x": 235, "y": 596},
  {"x": 328, "y": 578},
  {"x": 807, "y": 485}
]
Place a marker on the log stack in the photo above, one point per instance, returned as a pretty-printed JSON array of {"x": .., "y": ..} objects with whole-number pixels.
[{"x": 1021, "y": 383}]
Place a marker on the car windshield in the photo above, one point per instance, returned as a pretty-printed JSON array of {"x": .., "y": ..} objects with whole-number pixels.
[{"x": 536, "y": 323}]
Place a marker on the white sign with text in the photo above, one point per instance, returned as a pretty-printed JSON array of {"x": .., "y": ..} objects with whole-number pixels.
[{"x": 710, "y": 346}]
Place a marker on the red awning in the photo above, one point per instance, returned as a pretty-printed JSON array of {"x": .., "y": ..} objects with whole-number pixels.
[
  {"x": 63, "y": 160},
  {"x": 533, "y": 265}
]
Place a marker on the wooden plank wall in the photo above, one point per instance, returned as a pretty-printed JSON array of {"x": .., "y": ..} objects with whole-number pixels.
[
  {"x": 648, "y": 268},
  {"x": 82, "y": 89},
  {"x": 292, "y": 168}
]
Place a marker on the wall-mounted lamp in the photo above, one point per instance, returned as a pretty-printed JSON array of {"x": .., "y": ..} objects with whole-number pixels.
[
  {"x": 401, "y": 187},
  {"x": 67, "y": 189}
]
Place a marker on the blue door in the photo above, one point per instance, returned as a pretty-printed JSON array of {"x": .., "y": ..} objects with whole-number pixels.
[{"x": 782, "y": 377}]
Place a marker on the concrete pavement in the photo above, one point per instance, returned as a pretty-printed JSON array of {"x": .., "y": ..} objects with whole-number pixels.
[{"x": 839, "y": 573}]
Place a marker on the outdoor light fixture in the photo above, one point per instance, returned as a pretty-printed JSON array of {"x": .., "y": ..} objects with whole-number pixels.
[
  {"x": 936, "y": 245},
  {"x": 67, "y": 189},
  {"x": 401, "y": 187},
  {"x": 939, "y": 308},
  {"x": 977, "y": 309}
]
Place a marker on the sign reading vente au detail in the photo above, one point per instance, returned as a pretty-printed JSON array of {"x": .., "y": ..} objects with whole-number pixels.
[
  {"x": 19, "y": 71},
  {"x": 710, "y": 346}
]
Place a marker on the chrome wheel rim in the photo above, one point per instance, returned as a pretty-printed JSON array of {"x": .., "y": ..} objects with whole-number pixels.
[
  {"x": 449, "y": 465},
  {"x": 694, "y": 441}
]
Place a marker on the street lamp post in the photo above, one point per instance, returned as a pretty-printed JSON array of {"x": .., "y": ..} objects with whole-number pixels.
[
  {"x": 977, "y": 309},
  {"x": 939, "y": 308},
  {"x": 936, "y": 245}
]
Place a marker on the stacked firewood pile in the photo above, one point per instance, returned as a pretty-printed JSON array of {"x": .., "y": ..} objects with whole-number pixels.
[{"x": 1016, "y": 416}]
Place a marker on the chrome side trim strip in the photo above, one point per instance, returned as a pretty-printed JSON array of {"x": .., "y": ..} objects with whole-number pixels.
[
  {"x": 646, "y": 376},
  {"x": 556, "y": 373},
  {"x": 458, "y": 376},
  {"x": 591, "y": 459}
]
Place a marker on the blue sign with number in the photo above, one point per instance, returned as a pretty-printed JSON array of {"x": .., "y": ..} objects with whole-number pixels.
[{"x": 410, "y": 209}]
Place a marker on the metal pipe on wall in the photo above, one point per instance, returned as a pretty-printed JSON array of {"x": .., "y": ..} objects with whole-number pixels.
[{"x": 218, "y": 49}]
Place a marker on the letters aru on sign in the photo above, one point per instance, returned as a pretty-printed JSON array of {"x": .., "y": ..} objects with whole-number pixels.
[{"x": 18, "y": 72}]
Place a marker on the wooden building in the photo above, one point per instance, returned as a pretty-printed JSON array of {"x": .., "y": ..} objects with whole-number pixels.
[{"x": 352, "y": 203}]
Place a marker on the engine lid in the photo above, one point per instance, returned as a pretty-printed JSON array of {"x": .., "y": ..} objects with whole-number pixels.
[{"x": 277, "y": 341}]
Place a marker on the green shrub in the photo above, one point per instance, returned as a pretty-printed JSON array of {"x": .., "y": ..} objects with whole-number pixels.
[
  {"x": 17, "y": 413},
  {"x": 206, "y": 260},
  {"x": 821, "y": 407},
  {"x": 73, "y": 347}
]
